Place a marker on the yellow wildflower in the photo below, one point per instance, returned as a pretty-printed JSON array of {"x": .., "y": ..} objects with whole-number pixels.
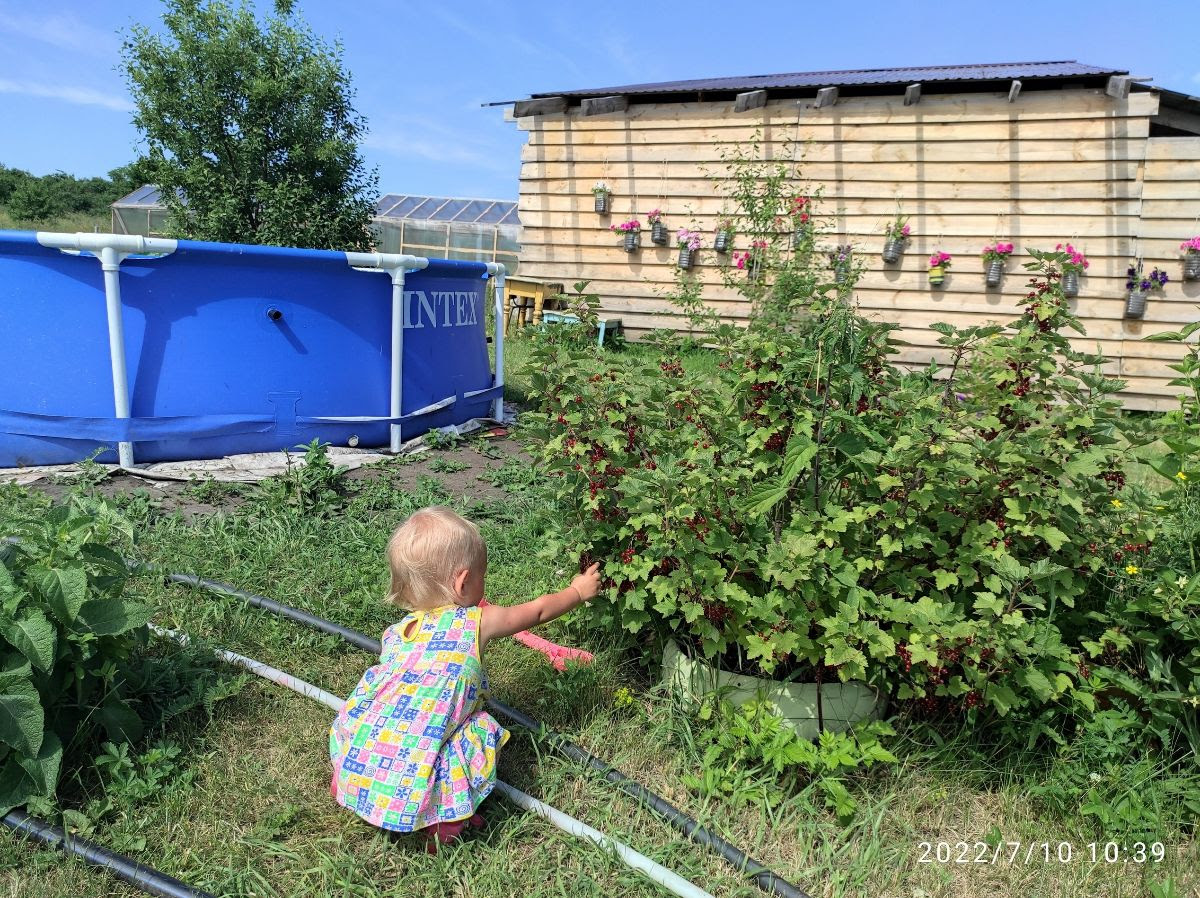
[
  {"x": 1181, "y": 476},
  {"x": 1131, "y": 568},
  {"x": 622, "y": 698},
  {"x": 1117, "y": 503}
]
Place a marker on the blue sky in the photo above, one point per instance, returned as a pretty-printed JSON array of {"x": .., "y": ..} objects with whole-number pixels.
[{"x": 422, "y": 69}]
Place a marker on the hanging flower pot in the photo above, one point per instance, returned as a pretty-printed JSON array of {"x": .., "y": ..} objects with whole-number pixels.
[
  {"x": 632, "y": 233},
  {"x": 723, "y": 239},
  {"x": 689, "y": 242},
  {"x": 603, "y": 203},
  {"x": 754, "y": 268},
  {"x": 938, "y": 263},
  {"x": 894, "y": 236},
  {"x": 993, "y": 273},
  {"x": 802, "y": 235},
  {"x": 1191, "y": 259},
  {"x": 994, "y": 257},
  {"x": 1073, "y": 266},
  {"x": 658, "y": 232},
  {"x": 839, "y": 261},
  {"x": 1139, "y": 287}
]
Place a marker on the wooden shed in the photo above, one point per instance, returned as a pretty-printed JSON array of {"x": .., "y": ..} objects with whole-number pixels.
[{"x": 1029, "y": 153}]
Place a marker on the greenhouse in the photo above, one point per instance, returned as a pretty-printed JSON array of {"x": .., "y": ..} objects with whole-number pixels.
[{"x": 476, "y": 230}]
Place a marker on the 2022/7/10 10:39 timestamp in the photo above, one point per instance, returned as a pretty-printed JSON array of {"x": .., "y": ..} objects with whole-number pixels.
[{"x": 1040, "y": 853}]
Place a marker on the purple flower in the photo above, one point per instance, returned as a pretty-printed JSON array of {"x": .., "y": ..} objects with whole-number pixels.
[{"x": 1145, "y": 285}]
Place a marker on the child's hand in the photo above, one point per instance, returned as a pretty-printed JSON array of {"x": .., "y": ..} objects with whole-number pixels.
[{"x": 587, "y": 584}]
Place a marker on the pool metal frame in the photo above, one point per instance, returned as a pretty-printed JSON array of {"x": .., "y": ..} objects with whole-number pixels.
[{"x": 112, "y": 249}]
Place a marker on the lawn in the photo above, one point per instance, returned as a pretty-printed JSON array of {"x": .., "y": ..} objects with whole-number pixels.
[{"x": 243, "y": 808}]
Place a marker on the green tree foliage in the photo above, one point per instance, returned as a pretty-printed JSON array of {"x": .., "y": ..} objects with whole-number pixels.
[
  {"x": 250, "y": 130},
  {"x": 30, "y": 198}
]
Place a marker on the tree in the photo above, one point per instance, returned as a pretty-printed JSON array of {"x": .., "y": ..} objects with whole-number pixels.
[{"x": 250, "y": 132}]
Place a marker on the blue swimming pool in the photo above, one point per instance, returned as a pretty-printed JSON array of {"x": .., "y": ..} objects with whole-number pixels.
[{"x": 155, "y": 350}]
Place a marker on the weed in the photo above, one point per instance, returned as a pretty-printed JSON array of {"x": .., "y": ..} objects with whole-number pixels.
[
  {"x": 211, "y": 492},
  {"x": 447, "y": 466},
  {"x": 314, "y": 487},
  {"x": 442, "y": 439}
]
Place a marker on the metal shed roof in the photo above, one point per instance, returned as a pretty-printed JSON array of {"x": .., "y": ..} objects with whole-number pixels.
[
  {"x": 395, "y": 205},
  {"x": 998, "y": 71}
]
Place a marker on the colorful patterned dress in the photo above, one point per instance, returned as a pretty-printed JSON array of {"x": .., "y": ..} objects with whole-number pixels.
[{"x": 411, "y": 747}]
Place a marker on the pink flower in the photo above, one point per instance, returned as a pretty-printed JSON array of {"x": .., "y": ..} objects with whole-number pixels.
[{"x": 904, "y": 231}]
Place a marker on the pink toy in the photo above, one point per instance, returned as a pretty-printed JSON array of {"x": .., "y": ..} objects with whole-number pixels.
[{"x": 558, "y": 655}]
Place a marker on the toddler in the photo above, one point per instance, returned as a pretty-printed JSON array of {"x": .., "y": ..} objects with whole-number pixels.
[{"x": 412, "y": 748}]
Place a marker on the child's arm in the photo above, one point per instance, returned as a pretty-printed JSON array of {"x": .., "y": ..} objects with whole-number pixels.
[{"x": 505, "y": 620}]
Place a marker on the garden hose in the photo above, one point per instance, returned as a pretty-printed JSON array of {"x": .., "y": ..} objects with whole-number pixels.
[
  {"x": 147, "y": 879},
  {"x": 638, "y": 861},
  {"x": 764, "y": 878}
]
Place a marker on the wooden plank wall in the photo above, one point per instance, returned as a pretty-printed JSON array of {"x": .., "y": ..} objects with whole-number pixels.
[{"x": 1055, "y": 166}]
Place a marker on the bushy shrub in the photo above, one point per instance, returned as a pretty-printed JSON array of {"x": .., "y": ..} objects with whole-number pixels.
[
  {"x": 65, "y": 629},
  {"x": 815, "y": 509}
]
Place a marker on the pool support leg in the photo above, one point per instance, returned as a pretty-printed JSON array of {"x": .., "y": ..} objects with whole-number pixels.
[
  {"x": 762, "y": 877},
  {"x": 397, "y": 391},
  {"x": 498, "y": 271},
  {"x": 111, "y": 250},
  {"x": 110, "y": 262},
  {"x": 396, "y": 265}
]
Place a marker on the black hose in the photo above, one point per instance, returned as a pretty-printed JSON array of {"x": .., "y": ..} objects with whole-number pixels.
[
  {"x": 764, "y": 878},
  {"x": 145, "y": 878}
]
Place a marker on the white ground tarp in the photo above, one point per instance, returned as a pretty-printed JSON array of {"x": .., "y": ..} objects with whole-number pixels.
[{"x": 250, "y": 467}]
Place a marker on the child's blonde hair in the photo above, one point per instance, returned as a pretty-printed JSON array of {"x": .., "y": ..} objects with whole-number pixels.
[{"x": 426, "y": 551}]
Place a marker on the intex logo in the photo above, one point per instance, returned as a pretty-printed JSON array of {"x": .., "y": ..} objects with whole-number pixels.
[{"x": 441, "y": 308}]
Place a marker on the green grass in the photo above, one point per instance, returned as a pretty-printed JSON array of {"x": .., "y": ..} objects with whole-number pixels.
[
  {"x": 248, "y": 812},
  {"x": 66, "y": 224}
]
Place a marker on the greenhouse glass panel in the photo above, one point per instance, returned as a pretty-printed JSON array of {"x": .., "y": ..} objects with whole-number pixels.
[
  {"x": 424, "y": 234},
  {"x": 386, "y": 204},
  {"x": 473, "y": 210},
  {"x": 405, "y": 206},
  {"x": 510, "y": 263},
  {"x": 424, "y": 207},
  {"x": 463, "y": 238},
  {"x": 158, "y": 223},
  {"x": 506, "y": 239},
  {"x": 450, "y": 210},
  {"x": 511, "y": 216},
  {"x": 389, "y": 238}
]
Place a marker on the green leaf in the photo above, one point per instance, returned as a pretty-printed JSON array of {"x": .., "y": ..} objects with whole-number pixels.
[
  {"x": 120, "y": 721},
  {"x": 65, "y": 589},
  {"x": 43, "y": 770},
  {"x": 1036, "y": 681},
  {"x": 16, "y": 788},
  {"x": 108, "y": 617},
  {"x": 1002, "y": 698},
  {"x": 35, "y": 637},
  {"x": 764, "y": 497},
  {"x": 945, "y": 579},
  {"x": 1055, "y": 537},
  {"x": 22, "y": 720},
  {"x": 800, "y": 452}
]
